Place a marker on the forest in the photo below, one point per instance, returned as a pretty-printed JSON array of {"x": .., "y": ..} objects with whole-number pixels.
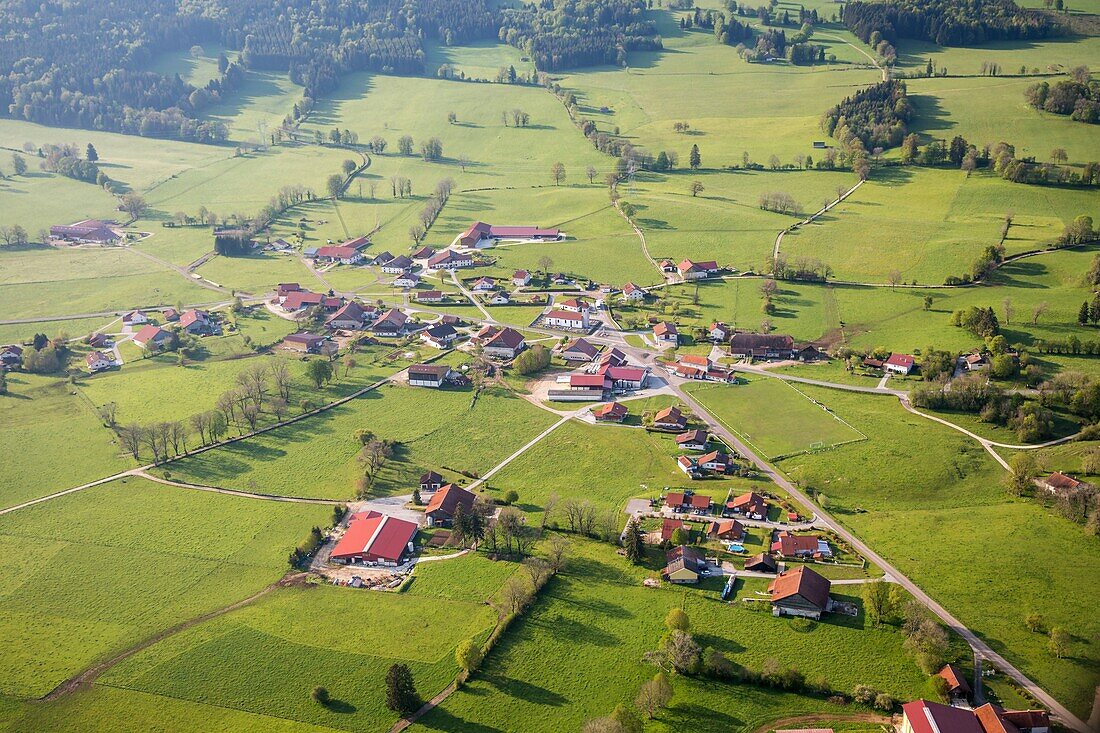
[
  {"x": 945, "y": 22},
  {"x": 877, "y": 116}
]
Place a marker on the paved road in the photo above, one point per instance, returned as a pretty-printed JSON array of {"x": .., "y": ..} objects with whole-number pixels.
[{"x": 980, "y": 647}]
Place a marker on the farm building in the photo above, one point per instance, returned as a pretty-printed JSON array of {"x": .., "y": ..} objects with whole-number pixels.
[
  {"x": 11, "y": 356},
  {"x": 88, "y": 231},
  {"x": 614, "y": 357},
  {"x": 398, "y": 265},
  {"x": 692, "y": 440},
  {"x": 196, "y": 322},
  {"x": 429, "y": 375},
  {"x": 429, "y": 296},
  {"x": 307, "y": 343},
  {"x": 521, "y": 278},
  {"x": 1060, "y": 483},
  {"x": 153, "y": 337},
  {"x": 351, "y": 316},
  {"x": 957, "y": 686},
  {"x": 922, "y": 716},
  {"x": 440, "y": 336},
  {"x": 610, "y": 412},
  {"x": 799, "y": 592},
  {"x": 445, "y": 502},
  {"x": 134, "y": 318},
  {"x": 718, "y": 332},
  {"x": 390, "y": 323},
  {"x": 566, "y": 319},
  {"x": 339, "y": 254},
  {"x": 696, "y": 270},
  {"x": 406, "y": 280},
  {"x": 623, "y": 377},
  {"x": 448, "y": 259},
  {"x": 668, "y": 526},
  {"x": 899, "y": 364},
  {"x": 484, "y": 285},
  {"x": 504, "y": 344},
  {"x": 431, "y": 481},
  {"x": 761, "y": 346},
  {"x": 579, "y": 350},
  {"x": 480, "y": 234},
  {"x": 374, "y": 539},
  {"x": 97, "y": 361}
]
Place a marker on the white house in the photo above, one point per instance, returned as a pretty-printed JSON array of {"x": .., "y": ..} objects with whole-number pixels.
[{"x": 566, "y": 319}]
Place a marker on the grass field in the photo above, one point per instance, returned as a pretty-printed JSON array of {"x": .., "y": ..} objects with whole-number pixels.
[
  {"x": 195, "y": 69},
  {"x": 181, "y": 554},
  {"x": 480, "y": 60},
  {"x": 774, "y": 416},
  {"x": 22, "y": 197}
]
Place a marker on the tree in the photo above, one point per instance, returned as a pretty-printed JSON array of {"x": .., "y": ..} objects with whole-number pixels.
[
  {"x": 1083, "y": 314},
  {"x": 694, "y": 160},
  {"x": 628, "y": 721},
  {"x": 591, "y": 172},
  {"x": 1058, "y": 155},
  {"x": 654, "y": 695},
  {"x": 544, "y": 264},
  {"x": 401, "y": 695},
  {"x": 468, "y": 655},
  {"x": 681, "y": 536},
  {"x": 537, "y": 569},
  {"x": 634, "y": 542},
  {"x": 107, "y": 413},
  {"x": 19, "y": 164},
  {"x": 1059, "y": 642},
  {"x": 318, "y": 371},
  {"x": 334, "y": 184},
  {"x": 91, "y": 153},
  {"x": 679, "y": 652},
  {"x": 320, "y": 695},
  {"x": 511, "y": 496},
  {"x": 557, "y": 173},
  {"x": 1034, "y": 622},
  {"x": 696, "y": 188},
  {"x": 349, "y": 166},
  {"x": 1025, "y": 468},
  {"x": 556, "y": 551},
  {"x": 432, "y": 150},
  {"x": 677, "y": 620},
  {"x": 133, "y": 204},
  {"x": 876, "y": 601},
  {"x": 405, "y": 144},
  {"x": 927, "y": 303}
]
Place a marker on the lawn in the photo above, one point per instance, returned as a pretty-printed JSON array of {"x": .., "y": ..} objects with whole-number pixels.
[
  {"x": 317, "y": 457},
  {"x": 775, "y": 417},
  {"x": 51, "y": 439},
  {"x": 95, "y": 585}
]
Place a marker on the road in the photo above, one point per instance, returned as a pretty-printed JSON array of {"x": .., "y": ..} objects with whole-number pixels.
[{"x": 980, "y": 647}]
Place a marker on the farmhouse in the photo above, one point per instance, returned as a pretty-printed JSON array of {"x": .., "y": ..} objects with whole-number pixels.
[
  {"x": 88, "y": 231},
  {"x": 750, "y": 505},
  {"x": 406, "y": 280},
  {"x": 696, "y": 270},
  {"x": 429, "y": 375},
  {"x": 625, "y": 378},
  {"x": 715, "y": 461},
  {"x": 134, "y": 318},
  {"x": 1060, "y": 483},
  {"x": 692, "y": 440},
  {"x": 718, "y": 332},
  {"x": 480, "y": 234},
  {"x": 397, "y": 265},
  {"x": 792, "y": 545},
  {"x": 431, "y": 481},
  {"x": 634, "y": 293},
  {"x": 670, "y": 418},
  {"x": 692, "y": 366},
  {"x": 957, "y": 686},
  {"x": 307, "y": 343},
  {"x": 439, "y": 337},
  {"x": 445, "y": 502},
  {"x": 96, "y": 341},
  {"x": 297, "y": 300},
  {"x": 97, "y": 361},
  {"x": 761, "y": 563},
  {"x": 484, "y": 285},
  {"x": 170, "y": 314},
  {"x": 899, "y": 364},
  {"x": 500, "y": 298},
  {"x": 566, "y": 319},
  {"x": 153, "y": 338},
  {"x": 351, "y": 316},
  {"x": 666, "y": 333},
  {"x": 579, "y": 350},
  {"x": 11, "y": 356},
  {"x": 448, "y": 259},
  {"x": 521, "y": 278},
  {"x": 610, "y": 412},
  {"x": 382, "y": 258},
  {"x": 374, "y": 539},
  {"x": 726, "y": 529},
  {"x": 196, "y": 322},
  {"x": 922, "y": 716},
  {"x": 973, "y": 362},
  {"x": 678, "y": 501},
  {"x": 614, "y": 357},
  {"x": 429, "y": 296},
  {"x": 761, "y": 346},
  {"x": 799, "y": 592},
  {"x": 504, "y": 344},
  {"x": 390, "y": 323},
  {"x": 684, "y": 565},
  {"x": 668, "y": 266},
  {"x": 574, "y": 305},
  {"x": 339, "y": 254}
]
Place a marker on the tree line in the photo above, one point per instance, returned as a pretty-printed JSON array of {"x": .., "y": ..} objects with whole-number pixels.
[
  {"x": 1078, "y": 97},
  {"x": 946, "y": 22},
  {"x": 877, "y": 116}
]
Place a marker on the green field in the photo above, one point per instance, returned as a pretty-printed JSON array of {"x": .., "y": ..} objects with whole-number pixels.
[
  {"x": 21, "y": 199},
  {"x": 94, "y": 585},
  {"x": 775, "y": 417}
]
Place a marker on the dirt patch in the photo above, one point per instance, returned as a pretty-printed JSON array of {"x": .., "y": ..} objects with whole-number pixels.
[{"x": 802, "y": 720}]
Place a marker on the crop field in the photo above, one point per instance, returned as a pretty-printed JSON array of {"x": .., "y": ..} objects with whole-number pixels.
[
  {"x": 191, "y": 552},
  {"x": 47, "y": 431},
  {"x": 775, "y": 417},
  {"x": 317, "y": 457}
]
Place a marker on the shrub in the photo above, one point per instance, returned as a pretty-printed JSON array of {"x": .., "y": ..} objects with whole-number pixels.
[{"x": 320, "y": 695}]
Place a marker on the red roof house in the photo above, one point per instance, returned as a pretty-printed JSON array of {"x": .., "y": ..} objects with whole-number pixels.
[
  {"x": 445, "y": 502},
  {"x": 610, "y": 412},
  {"x": 800, "y": 592},
  {"x": 374, "y": 538}
]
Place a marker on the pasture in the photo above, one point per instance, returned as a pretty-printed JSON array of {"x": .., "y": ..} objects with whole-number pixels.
[
  {"x": 22, "y": 198},
  {"x": 179, "y": 554},
  {"x": 775, "y": 417}
]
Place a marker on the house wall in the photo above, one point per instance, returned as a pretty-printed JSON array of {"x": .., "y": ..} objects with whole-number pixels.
[{"x": 683, "y": 576}]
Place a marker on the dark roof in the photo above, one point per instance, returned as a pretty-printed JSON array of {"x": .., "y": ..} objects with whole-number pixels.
[
  {"x": 508, "y": 338},
  {"x": 439, "y": 371},
  {"x": 741, "y": 342},
  {"x": 684, "y": 557},
  {"x": 762, "y": 563}
]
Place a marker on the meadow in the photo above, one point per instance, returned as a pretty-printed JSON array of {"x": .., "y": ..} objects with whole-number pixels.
[
  {"x": 775, "y": 417},
  {"x": 22, "y": 200},
  {"x": 181, "y": 554}
]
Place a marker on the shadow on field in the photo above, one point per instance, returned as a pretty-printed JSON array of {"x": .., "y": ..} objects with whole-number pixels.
[
  {"x": 441, "y": 719},
  {"x": 526, "y": 691}
]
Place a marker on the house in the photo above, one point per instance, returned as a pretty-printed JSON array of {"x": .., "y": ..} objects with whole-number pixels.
[
  {"x": 171, "y": 315},
  {"x": 448, "y": 259},
  {"x": 869, "y": 362},
  {"x": 807, "y": 352},
  {"x": 445, "y": 502},
  {"x": 761, "y": 563},
  {"x": 11, "y": 356},
  {"x": 431, "y": 481},
  {"x": 382, "y": 258},
  {"x": 718, "y": 332},
  {"x": 480, "y": 234},
  {"x": 390, "y": 323},
  {"x": 688, "y": 465},
  {"x": 610, "y": 412},
  {"x": 307, "y": 343},
  {"x": 500, "y": 298},
  {"x": 196, "y": 322},
  {"x": 342, "y": 255},
  {"x": 134, "y": 318},
  {"x": 484, "y": 285},
  {"x": 398, "y": 265},
  {"x": 667, "y": 266},
  {"x": 633, "y": 293},
  {"x": 974, "y": 362},
  {"x": 750, "y": 505},
  {"x": 440, "y": 336},
  {"x": 699, "y": 504},
  {"x": 153, "y": 338},
  {"x": 669, "y": 526},
  {"x": 88, "y": 231},
  {"x": 957, "y": 686},
  {"x": 715, "y": 461},
  {"x": 373, "y": 538},
  {"x": 579, "y": 350},
  {"x": 280, "y": 245},
  {"x": 97, "y": 361},
  {"x": 692, "y": 440},
  {"x": 792, "y": 545},
  {"x": 297, "y": 300},
  {"x": 922, "y": 716},
  {"x": 406, "y": 280},
  {"x": 761, "y": 346},
  {"x": 429, "y": 375},
  {"x": 670, "y": 418},
  {"x": 684, "y": 565},
  {"x": 677, "y": 501},
  {"x": 1060, "y": 483},
  {"x": 450, "y": 320},
  {"x": 614, "y": 357},
  {"x": 566, "y": 319},
  {"x": 504, "y": 344},
  {"x": 574, "y": 305},
  {"x": 696, "y": 270},
  {"x": 624, "y": 378},
  {"x": 666, "y": 333},
  {"x": 726, "y": 529},
  {"x": 899, "y": 364},
  {"x": 284, "y": 289},
  {"x": 96, "y": 341},
  {"x": 800, "y": 592},
  {"x": 429, "y": 296},
  {"x": 520, "y": 278},
  {"x": 351, "y": 316}
]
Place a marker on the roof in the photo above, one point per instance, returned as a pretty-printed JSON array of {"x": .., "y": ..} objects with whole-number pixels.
[
  {"x": 573, "y": 303},
  {"x": 698, "y": 501},
  {"x": 431, "y": 477},
  {"x": 423, "y": 253},
  {"x": 375, "y": 534},
  {"x": 669, "y": 526},
  {"x": 1059, "y": 480},
  {"x": 351, "y": 310},
  {"x": 445, "y": 256},
  {"x": 448, "y": 498},
  {"x": 695, "y": 360},
  {"x": 675, "y": 498},
  {"x": 521, "y": 231},
  {"x": 761, "y": 560},
  {"x": 614, "y": 357},
  {"x": 723, "y": 526},
  {"x": 342, "y": 253},
  {"x": 801, "y": 581},
  {"x": 664, "y": 327},
  {"x": 508, "y": 338},
  {"x": 357, "y": 243},
  {"x": 611, "y": 410},
  {"x": 900, "y": 360},
  {"x": 565, "y": 316},
  {"x": 789, "y": 544},
  {"x": 301, "y": 298},
  {"x": 955, "y": 678},
  {"x": 485, "y": 280},
  {"x": 150, "y": 333},
  {"x": 430, "y": 370},
  {"x": 683, "y": 556},
  {"x": 429, "y": 294},
  {"x": 520, "y": 275},
  {"x": 394, "y": 316},
  {"x": 669, "y": 414},
  {"x": 932, "y": 717},
  {"x": 1022, "y": 718},
  {"x": 754, "y": 341},
  {"x": 304, "y": 338},
  {"x": 750, "y": 499},
  {"x": 442, "y": 330},
  {"x": 581, "y": 346},
  {"x": 96, "y": 356},
  {"x": 193, "y": 316},
  {"x": 688, "y": 265},
  {"x": 588, "y": 380},
  {"x": 623, "y": 374},
  {"x": 692, "y": 436},
  {"x": 715, "y": 456},
  {"x": 631, "y": 288}
]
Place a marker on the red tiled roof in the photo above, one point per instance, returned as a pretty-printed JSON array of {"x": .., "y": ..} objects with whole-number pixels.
[
  {"x": 664, "y": 327},
  {"x": 669, "y": 526},
  {"x": 342, "y": 253},
  {"x": 448, "y": 498},
  {"x": 192, "y": 316},
  {"x": 430, "y": 295},
  {"x": 675, "y": 498},
  {"x": 789, "y": 544},
  {"x": 801, "y": 581},
  {"x": 594, "y": 381},
  {"x": 565, "y": 316},
  {"x": 900, "y": 360},
  {"x": 726, "y": 526},
  {"x": 692, "y": 436},
  {"x": 1059, "y": 480},
  {"x": 150, "y": 333},
  {"x": 611, "y": 411},
  {"x": 669, "y": 414},
  {"x": 623, "y": 374},
  {"x": 955, "y": 678},
  {"x": 376, "y": 535},
  {"x": 695, "y": 360},
  {"x": 749, "y": 503},
  {"x": 932, "y": 717},
  {"x": 300, "y": 299},
  {"x": 698, "y": 501}
]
